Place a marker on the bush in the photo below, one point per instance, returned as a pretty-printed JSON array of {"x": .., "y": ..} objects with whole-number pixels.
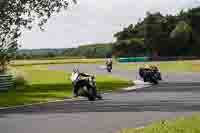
[{"x": 19, "y": 79}]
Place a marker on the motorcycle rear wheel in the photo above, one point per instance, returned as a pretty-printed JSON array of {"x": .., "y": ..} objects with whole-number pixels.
[
  {"x": 91, "y": 95},
  {"x": 154, "y": 81}
]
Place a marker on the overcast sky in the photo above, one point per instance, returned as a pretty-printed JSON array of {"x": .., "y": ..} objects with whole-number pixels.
[{"x": 95, "y": 21}]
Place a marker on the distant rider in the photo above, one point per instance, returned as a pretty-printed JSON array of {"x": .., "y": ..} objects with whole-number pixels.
[{"x": 109, "y": 62}]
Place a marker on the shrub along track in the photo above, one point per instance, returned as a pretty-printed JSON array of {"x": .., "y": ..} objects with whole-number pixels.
[{"x": 177, "y": 96}]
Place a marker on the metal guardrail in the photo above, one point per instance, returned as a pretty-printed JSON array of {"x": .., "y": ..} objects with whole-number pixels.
[
  {"x": 174, "y": 58},
  {"x": 146, "y": 59},
  {"x": 133, "y": 59},
  {"x": 6, "y": 81}
]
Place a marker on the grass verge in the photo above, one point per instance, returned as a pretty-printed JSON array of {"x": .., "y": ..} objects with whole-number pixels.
[
  {"x": 180, "y": 125},
  {"x": 168, "y": 66},
  {"x": 44, "y": 85},
  {"x": 56, "y": 61}
]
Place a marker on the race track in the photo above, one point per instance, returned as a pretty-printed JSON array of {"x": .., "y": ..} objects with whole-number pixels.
[{"x": 178, "y": 95}]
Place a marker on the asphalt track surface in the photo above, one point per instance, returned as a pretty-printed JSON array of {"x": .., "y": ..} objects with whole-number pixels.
[{"x": 178, "y": 95}]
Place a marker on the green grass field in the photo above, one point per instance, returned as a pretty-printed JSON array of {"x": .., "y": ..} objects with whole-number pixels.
[
  {"x": 54, "y": 61},
  {"x": 180, "y": 125},
  {"x": 169, "y": 66},
  {"x": 44, "y": 85}
]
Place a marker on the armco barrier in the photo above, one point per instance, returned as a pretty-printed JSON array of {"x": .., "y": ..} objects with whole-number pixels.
[
  {"x": 174, "y": 58},
  {"x": 145, "y": 59},
  {"x": 6, "y": 81},
  {"x": 133, "y": 59}
]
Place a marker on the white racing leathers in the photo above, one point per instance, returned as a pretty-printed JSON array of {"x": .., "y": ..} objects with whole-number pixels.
[{"x": 75, "y": 77}]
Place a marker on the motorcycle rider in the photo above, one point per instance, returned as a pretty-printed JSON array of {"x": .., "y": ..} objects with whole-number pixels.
[
  {"x": 109, "y": 62},
  {"x": 145, "y": 70},
  {"x": 148, "y": 71},
  {"x": 78, "y": 81}
]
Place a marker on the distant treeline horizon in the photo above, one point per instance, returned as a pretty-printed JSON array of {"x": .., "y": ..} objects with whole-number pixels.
[{"x": 103, "y": 50}]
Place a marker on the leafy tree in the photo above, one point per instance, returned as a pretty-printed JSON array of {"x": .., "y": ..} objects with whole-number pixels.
[
  {"x": 127, "y": 33},
  {"x": 194, "y": 18},
  {"x": 131, "y": 47},
  {"x": 170, "y": 35},
  {"x": 155, "y": 25},
  {"x": 194, "y": 21},
  {"x": 182, "y": 29},
  {"x": 51, "y": 54},
  {"x": 18, "y": 14},
  {"x": 90, "y": 51}
]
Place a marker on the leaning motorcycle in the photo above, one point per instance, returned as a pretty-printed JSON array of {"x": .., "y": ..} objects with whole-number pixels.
[
  {"x": 150, "y": 75},
  {"x": 90, "y": 92},
  {"x": 89, "y": 89}
]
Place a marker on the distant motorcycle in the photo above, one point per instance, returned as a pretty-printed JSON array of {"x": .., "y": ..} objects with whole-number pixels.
[
  {"x": 109, "y": 65},
  {"x": 151, "y": 75},
  {"x": 109, "y": 68}
]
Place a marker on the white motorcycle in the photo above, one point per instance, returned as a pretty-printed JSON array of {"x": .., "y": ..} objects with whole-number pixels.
[{"x": 88, "y": 89}]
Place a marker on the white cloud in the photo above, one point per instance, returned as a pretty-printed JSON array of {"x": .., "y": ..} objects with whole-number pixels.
[{"x": 96, "y": 20}]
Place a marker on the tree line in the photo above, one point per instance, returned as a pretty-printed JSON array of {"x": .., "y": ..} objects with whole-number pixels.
[
  {"x": 91, "y": 51},
  {"x": 161, "y": 35},
  {"x": 84, "y": 51}
]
